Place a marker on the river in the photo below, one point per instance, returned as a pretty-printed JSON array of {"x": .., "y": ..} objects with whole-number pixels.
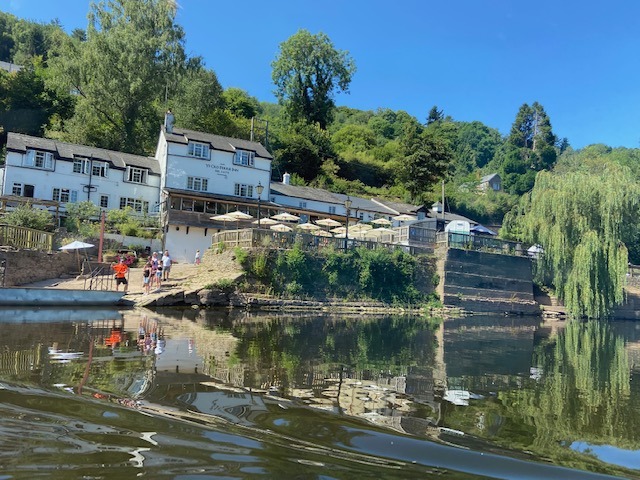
[{"x": 213, "y": 394}]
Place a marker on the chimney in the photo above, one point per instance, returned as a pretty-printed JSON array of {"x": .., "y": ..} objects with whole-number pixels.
[
  {"x": 169, "y": 119},
  {"x": 286, "y": 179},
  {"x": 436, "y": 207}
]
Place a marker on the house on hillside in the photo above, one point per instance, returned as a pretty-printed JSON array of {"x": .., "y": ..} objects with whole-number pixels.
[
  {"x": 490, "y": 182},
  {"x": 204, "y": 175},
  {"x": 45, "y": 169}
]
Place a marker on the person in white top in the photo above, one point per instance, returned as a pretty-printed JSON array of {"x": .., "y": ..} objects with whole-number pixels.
[{"x": 166, "y": 265}]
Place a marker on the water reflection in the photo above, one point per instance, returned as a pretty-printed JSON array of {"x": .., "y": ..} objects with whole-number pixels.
[{"x": 313, "y": 383}]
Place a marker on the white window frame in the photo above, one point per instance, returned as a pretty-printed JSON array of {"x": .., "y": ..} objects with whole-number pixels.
[
  {"x": 136, "y": 175},
  {"x": 81, "y": 165},
  {"x": 17, "y": 189},
  {"x": 198, "y": 184},
  {"x": 64, "y": 195},
  {"x": 137, "y": 204},
  {"x": 332, "y": 210},
  {"x": 99, "y": 169},
  {"x": 198, "y": 150},
  {"x": 243, "y": 190},
  {"x": 105, "y": 203},
  {"x": 39, "y": 159},
  {"x": 244, "y": 157}
]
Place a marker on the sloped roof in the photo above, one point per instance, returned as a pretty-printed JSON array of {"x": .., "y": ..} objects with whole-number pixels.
[
  {"x": 398, "y": 208},
  {"x": 217, "y": 142},
  {"x": 18, "y": 142},
  {"x": 320, "y": 195},
  {"x": 488, "y": 178}
]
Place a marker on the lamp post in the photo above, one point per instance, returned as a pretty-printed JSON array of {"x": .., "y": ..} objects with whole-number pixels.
[
  {"x": 259, "y": 189},
  {"x": 347, "y": 205}
]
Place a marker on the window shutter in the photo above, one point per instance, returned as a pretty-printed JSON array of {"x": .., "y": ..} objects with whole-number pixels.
[{"x": 48, "y": 162}]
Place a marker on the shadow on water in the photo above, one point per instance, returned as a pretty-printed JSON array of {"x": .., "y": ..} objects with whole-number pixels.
[{"x": 218, "y": 394}]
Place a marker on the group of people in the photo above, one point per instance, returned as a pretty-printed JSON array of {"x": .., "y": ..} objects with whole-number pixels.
[{"x": 156, "y": 270}]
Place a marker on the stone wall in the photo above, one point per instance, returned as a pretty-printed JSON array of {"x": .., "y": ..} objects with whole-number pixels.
[
  {"x": 28, "y": 266},
  {"x": 486, "y": 282}
]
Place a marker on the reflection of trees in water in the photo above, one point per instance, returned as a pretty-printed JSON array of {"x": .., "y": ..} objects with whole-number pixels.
[
  {"x": 291, "y": 352},
  {"x": 583, "y": 394}
]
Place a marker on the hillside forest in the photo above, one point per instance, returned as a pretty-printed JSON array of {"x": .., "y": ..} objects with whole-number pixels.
[{"x": 110, "y": 84}]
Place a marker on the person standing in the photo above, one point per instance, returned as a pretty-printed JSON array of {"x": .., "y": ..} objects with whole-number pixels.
[
  {"x": 166, "y": 265},
  {"x": 121, "y": 270},
  {"x": 146, "y": 277},
  {"x": 197, "y": 260}
]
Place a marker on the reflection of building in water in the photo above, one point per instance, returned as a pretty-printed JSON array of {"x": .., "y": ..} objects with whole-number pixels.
[{"x": 238, "y": 407}]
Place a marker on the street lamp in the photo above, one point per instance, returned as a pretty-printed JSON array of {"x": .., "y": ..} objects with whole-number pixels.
[
  {"x": 259, "y": 189},
  {"x": 347, "y": 205}
]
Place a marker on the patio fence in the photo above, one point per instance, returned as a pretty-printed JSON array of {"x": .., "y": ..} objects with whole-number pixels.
[
  {"x": 481, "y": 243},
  {"x": 254, "y": 237},
  {"x": 21, "y": 237}
]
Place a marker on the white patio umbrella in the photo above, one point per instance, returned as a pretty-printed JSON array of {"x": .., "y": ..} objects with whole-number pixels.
[
  {"x": 76, "y": 245},
  {"x": 321, "y": 233},
  {"x": 223, "y": 218},
  {"x": 308, "y": 226},
  {"x": 265, "y": 221},
  {"x": 280, "y": 228},
  {"x": 405, "y": 217},
  {"x": 382, "y": 221},
  {"x": 328, "y": 222},
  {"x": 338, "y": 230},
  {"x": 285, "y": 217},
  {"x": 360, "y": 228},
  {"x": 238, "y": 215},
  {"x": 379, "y": 232}
]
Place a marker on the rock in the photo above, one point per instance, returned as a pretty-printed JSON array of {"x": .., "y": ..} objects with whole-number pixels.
[{"x": 213, "y": 297}]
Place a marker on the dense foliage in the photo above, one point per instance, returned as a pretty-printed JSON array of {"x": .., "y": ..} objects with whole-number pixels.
[{"x": 358, "y": 273}]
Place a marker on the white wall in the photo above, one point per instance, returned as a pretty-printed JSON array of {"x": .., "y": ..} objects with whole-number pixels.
[
  {"x": 182, "y": 246},
  {"x": 63, "y": 177}
]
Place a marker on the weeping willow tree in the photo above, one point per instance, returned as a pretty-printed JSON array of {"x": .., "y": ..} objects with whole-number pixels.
[{"x": 582, "y": 219}]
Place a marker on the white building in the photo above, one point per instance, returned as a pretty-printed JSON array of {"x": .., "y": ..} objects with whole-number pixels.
[
  {"x": 46, "y": 169},
  {"x": 203, "y": 175}
]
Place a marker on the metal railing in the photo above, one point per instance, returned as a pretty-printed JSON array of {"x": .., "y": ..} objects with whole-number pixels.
[
  {"x": 22, "y": 237},
  {"x": 481, "y": 243},
  {"x": 98, "y": 276},
  {"x": 253, "y": 237}
]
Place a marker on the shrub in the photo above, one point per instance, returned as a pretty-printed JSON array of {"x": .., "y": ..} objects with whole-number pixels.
[{"x": 29, "y": 217}]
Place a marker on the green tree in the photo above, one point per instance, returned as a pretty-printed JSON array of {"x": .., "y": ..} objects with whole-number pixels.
[
  {"x": 307, "y": 73},
  {"x": 198, "y": 94},
  {"x": 427, "y": 160},
  {"x": 27, "y": 216},
  {"x": 133, "y": 55},
  {"x": 581, "y": 218},
  {"x": 240, "y": 103},
  {"x": 435, "y": 115}
]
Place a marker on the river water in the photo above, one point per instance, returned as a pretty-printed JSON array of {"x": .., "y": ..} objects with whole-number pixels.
[{"x": 188, "y": 394}]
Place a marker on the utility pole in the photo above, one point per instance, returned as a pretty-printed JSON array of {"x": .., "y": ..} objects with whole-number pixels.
[{"x": 256, "y": 124}]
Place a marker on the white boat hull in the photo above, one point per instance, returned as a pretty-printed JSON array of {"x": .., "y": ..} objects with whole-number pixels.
[{"x": 24, "y": 296}]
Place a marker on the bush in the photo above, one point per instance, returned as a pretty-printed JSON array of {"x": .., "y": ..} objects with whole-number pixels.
[{"x": 29, "y": 217}]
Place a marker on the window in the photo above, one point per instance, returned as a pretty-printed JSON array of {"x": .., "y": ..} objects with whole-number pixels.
[
  {"x": 64, "y": 195},
  {"x": 197, "y": 183},
  {"x": 104, "y": 201},
  {"x": 302, "y": 204},
  {"x": 136, "y": 175},
  {"x": 38, "y": 159},
  {"x": 17, "y": 189},
  {"x": 244, "y": 157},
  {"x": 81, "y": 165},
  {"x": 199, "y": 150},
  {"x": 243, "y": 190},
  {"x": 100, "y": 169},
  {"x": 137, "y": 204},
  {"x": 28, "y": 190},
  {"x": 332, "y": 210}
]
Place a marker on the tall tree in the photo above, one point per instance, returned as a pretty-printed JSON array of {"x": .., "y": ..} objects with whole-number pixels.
[
  {"x": 435, "y": 115},
  {"x": 307, "y": 73},
  {"x": 427, "y": 159},
  {"x": 581, "y": 218},
  {"x": 133, "y": 55}
]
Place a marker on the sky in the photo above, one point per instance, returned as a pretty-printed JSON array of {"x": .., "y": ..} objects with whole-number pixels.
[{"x": 474, "y": 59}]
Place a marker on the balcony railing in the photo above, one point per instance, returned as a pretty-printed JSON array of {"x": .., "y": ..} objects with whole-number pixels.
[
  {"x": 21, "y": 237},
  {"x": 481, "y": 243}
]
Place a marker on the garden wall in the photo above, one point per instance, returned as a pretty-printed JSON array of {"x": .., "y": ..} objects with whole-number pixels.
[{"x": 28, "y": 266}]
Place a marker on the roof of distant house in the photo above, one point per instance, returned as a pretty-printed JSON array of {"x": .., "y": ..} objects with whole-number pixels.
[
  {"x": 488, "y": 178},
  {"x": 18, "y": 142},
  {"x": 10, "y": 67},
  {"x": 217, "y": 142}
]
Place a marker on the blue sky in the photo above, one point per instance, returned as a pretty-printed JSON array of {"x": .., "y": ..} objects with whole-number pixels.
[{"x": 476, "y": 60}]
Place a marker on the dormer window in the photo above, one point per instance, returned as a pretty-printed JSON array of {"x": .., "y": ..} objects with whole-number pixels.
[
  {"x": 244, "y": 157},
  {"x": 198, "y": 150},
  {"x": 136, "y": 175},
  {"x": 100, "y": 169},
  {"x": 38, "y": 159}
]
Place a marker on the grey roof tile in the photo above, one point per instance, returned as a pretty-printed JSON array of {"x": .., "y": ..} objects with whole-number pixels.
[{"x": 217, "y": 142}]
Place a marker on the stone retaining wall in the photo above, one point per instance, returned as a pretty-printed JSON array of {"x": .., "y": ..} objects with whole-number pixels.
[{"x": 28, "y": 266}]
